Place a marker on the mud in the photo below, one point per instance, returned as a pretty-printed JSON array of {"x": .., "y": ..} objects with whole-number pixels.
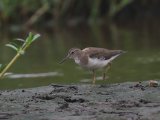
[{"x": 124, "y": 101}]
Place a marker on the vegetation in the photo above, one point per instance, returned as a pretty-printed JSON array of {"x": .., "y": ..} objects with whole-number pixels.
[
  {"x": 30, "y": 12},
  {"x": 20, "y": 51}
]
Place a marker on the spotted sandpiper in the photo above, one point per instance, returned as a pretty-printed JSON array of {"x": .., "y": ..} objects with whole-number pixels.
[{"x": 93, "y": 58}]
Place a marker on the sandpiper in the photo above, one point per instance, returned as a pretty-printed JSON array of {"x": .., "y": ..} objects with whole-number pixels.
[{"x": 93, "y": 58}]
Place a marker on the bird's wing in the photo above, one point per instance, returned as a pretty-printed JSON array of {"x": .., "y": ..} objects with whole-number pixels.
[{"x": 101, "y": 53}]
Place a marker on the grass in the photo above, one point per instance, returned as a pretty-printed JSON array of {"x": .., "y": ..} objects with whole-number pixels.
[{"x": 59, "y": 10}]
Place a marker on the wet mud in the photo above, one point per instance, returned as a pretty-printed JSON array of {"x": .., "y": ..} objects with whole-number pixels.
[{"x": 124, "y": 101}]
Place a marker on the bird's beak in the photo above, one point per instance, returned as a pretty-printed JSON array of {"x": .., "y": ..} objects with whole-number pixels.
[{"x": 64, "y": 59}]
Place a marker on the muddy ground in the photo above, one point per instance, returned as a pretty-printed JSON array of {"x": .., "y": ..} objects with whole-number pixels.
[{"x": 125, "y": 101}]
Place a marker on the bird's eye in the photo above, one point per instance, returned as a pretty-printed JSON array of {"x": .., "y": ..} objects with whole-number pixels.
[{"x": 72, "y": 52}]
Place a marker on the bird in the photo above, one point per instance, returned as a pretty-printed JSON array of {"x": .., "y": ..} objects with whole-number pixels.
[{"x": 93, "y": 58}]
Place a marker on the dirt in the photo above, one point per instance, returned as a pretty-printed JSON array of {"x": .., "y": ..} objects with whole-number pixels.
[{"x": 124, "y": 101}]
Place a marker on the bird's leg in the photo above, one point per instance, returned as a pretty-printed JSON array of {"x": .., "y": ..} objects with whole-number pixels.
[
  {"x": 94, "y": 77},
  {"x": 106, "y": 70}
]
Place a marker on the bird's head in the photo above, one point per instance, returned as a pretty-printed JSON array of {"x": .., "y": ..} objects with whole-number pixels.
[{"x": 72, "y": 54}]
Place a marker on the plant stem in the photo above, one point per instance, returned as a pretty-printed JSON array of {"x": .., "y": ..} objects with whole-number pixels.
[
  {"x": 20, "y": 51},
  {"x": 9, "y": 65},
  {"x": 11, "y": 62}
]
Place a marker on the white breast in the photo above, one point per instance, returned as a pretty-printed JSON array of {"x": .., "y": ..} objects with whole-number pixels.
[
  {"x": 77, "y": 61},
  {"x": 95, "y": 63}
]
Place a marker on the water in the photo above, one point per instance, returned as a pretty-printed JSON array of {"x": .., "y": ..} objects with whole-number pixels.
[{"x": 39, "y": 66}]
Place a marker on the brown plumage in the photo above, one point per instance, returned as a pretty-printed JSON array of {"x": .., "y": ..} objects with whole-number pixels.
[{"x": 93, "y": 58}]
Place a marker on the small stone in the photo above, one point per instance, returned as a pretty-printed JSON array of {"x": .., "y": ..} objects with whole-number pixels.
[
  {"x": 153, "y": 83},
  {"x": 23, "y": 90}
]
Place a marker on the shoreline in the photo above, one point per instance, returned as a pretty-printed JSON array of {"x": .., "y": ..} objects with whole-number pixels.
[{"x": 121, "y": 101}]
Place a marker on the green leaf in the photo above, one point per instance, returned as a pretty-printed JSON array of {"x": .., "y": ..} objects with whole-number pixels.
[
  {"x": 29, "y": 39},
  {"x": 14, "y": 47},
  {"x": 35, "y": 37},
  {"x": 19, "y": 39}
]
